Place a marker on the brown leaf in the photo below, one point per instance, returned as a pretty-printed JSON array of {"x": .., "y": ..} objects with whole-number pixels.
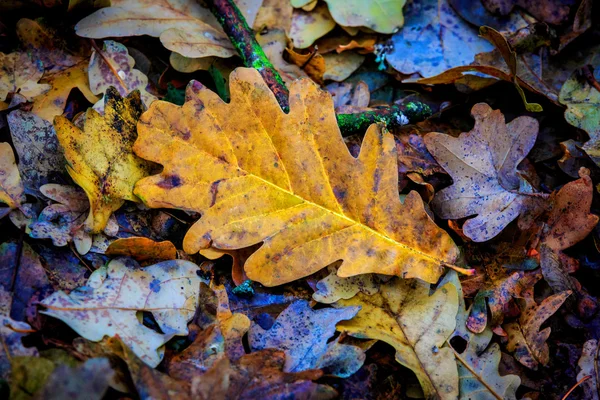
[{"x": 142, "y": 249}]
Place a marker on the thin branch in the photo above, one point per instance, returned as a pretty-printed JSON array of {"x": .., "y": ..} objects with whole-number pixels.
[{"x": 243, "y": 39}]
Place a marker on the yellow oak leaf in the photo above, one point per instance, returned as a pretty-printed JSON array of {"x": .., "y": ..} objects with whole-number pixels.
[
  {"x": 11, "y": 187},
  {"x": 118, "y": 291},
  {"x": 288, "y": 181},
  {"x": 417, "y": 325},
  {"x": 100, "y": 157}
]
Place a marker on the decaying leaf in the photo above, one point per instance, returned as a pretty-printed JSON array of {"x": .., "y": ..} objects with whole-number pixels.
[
  {"x": 107, "y": 306},
  {"x": 417, "y": 325},
  {"x": 524, "y": 336},
  {"x": 100, "y": 157},
  {"x": 20, "y": 73},
  {"x": 434, "y": 39},
  {"x": 483, "y": 164},
  {"x": 41, "y": 158},
  {"x": 113, "y": 66},
  {"x": 253, "y": 187},
  {"x": 307, "y": 27},
  {"x": 570, "y": 220},
  {"x": 302, "y": 333},
  {"x": 11, "y": 332},
  {"x": 89, "y": 381},
  {"x": 588, "y": 366},
  {"x": 11, "y": 187},
  {"x": 583, "y": 105},
  {"x": 142, "y": 249}
]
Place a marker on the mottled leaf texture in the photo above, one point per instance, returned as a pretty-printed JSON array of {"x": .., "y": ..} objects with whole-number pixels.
[
  {"x": 588, "y": 366},
  {"x": 333, "y": 288},
  {"x": 108, "y": 305},
  {"x": 100, "y": 157},
  {"x": 302, "y": 333},
  {"x": 483, "y": 164},
  {"x": 87, "y": 382},
  {"x": 524, "y": 336},
  {"x": 417, "y": 325},
  {"x": 287, "y": 180}
]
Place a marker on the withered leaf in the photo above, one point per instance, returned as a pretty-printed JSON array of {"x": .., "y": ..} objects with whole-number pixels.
[{"x": 286, "y": 180}]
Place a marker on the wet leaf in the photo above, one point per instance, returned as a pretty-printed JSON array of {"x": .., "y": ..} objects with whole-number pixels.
[
  {"x": 272, "y": 189},
  {"x": 114, "y": 67},
  {"x": 100, "y": 157},
  {"x": 483, "y": 164},
  {"x": 302, "y": 333},
  {"x": 404, "y": 315},
  {"x": 41, "y": 159},
  {"x": 20, "y": 73},
  {"x": 434, "y": 39},
  {"x": 524, "y": 336},
  {"x": 107, "y": 306}
]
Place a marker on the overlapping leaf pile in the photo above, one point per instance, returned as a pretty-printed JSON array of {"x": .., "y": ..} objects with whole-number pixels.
[{"x": 168, "y": 231}]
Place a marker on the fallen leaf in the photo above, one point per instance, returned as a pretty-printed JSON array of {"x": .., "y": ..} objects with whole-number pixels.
[
  {"x": 274, "y": 14},
  {"x": 28, "y": 375},
  {"x": 307, "y": 27},
  {"x": 113, "y": 66},
  {"x": 11, "y": 333},
  {"x": 88, "y": 381},
  {"x": 339, "y": 66},
  {"x": 434, "y": 39},
  {"x": 20, "y": 73},
  {"x": 404, "y": 315},
  {"x": 100, "y": 157},
  {"x": 250, "y": 165},
  {"x": 333, "y": 288},
  {"x": 570, "y": 220},
  {"x": 41, "y": 158},
  {"x": 108, "y": 305},
  {"x": 583, "y": 102},
  {"x": 587, "y": 367},
  {"x": 380, "y": 16},
  {"x": 525, "y": 339},
  {"x": 52, "y": 103},
  {"x": 274, "y": 42},
  {"x": 302, "y": 333},
  {"x": 11, "y": 187},
  {"x": 142, "y": 249},
  {"x": 483, "y": 164},
  {"x": 183, "y": 26},
  {"x": 551, "y": 11},
  {"x": 259, "y": 375},
  {"x": 312, "y": 63}
]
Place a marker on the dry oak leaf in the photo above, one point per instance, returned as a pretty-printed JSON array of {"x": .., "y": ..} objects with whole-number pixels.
[
  {"x": 570, "y": 220},
  {"x": 288, "y": 181},
  {"x": 183, "y": 26},
  {"x": 588, "y": 366},
  {"x": 524, "y": 336},
  {"x": 333, "y": 288},
  {"x": 113, "y": 66},
  {"x": 20, "y": 73},
  {"x": 417, "y": 324},
  {"x": 142, "y": 249},
  {"x": 11, "y": 187},
  {"x": 100, "y": 157},
  {"x": 483, "y": 164},
  {"x": 114, "y": 294}
]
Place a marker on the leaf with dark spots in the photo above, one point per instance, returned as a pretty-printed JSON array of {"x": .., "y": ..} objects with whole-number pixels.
[
  {"x": 302, "y": 333},
  {"x": 114, "y": 294},
  {"x": 483, "y": 164},
  {"x": 100, "y": 157}
]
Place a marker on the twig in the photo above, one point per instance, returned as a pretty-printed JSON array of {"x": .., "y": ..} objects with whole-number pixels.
[
  {"x": 585, "y": 378},
  {"x": 588, "y": 73},
  {"x": 243, "y": 38}
]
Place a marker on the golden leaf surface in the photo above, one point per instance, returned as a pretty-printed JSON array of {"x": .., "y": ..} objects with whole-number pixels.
[
  {"x": 288, "y": 181},
  {"x": 417, "y": 325},
  {"x": 100, "y": 157},
  {"x": 11, "y": 187}
]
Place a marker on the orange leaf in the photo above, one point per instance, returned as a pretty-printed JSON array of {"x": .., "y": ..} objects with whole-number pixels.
[{"x": 142, "y": 249}]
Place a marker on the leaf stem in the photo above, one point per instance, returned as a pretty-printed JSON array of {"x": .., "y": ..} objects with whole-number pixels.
[{"x": 243, "y": 39}]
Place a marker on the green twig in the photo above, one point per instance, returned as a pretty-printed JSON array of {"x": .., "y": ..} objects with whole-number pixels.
[{"x": 243, "y": 38}]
